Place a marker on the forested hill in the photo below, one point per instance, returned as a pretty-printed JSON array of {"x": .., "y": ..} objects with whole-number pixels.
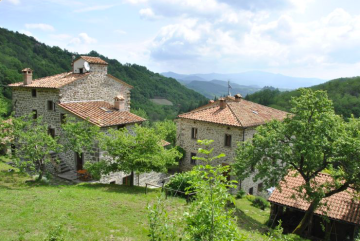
[
  {"x": 18, "y": 51},
  {"x": 344, "y": 92}
]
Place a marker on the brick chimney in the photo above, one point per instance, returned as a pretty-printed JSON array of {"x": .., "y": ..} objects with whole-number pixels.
[
  {"x": 222, "y": 103},
  {"x": 27, "y": 76},
  {"x": 238, "y": 97},
  {"x": 119, "y": 103}
]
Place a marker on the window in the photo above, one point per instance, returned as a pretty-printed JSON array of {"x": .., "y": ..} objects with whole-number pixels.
[
  {"x": 194, "y": 132},
  {"x": 260, "y": 187},
  {"x": 81, "y": 70},
  {"x": 51, "y": 132},
  {"x": 62, "y": 118},
  {"x": 192, "y": 161},
  {"x": 33, "y": 92},
  {"x": 50, "y": 105},
  {"x": 35, "y": 116},
  {"x": 227, "y": 140},
  {"x": 251, "y": 191}
]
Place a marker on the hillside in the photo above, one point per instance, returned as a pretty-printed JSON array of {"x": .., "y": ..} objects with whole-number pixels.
[
  {"x": 218, "y": 88},
  {"x": 18, "y": 51},
  {"x": 252, "y": 78},
  {"x": 344, "y": 92}
]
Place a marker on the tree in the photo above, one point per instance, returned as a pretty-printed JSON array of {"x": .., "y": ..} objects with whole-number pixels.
[
  {"x": 311, "y": 141},
  {"x": 34, "y": 145},
  {"x": 138, "y": 152},
  {"x": 167, "y": 130},
  {"x": 207, "y": 217},
  {"x": 79, "y": 136}
]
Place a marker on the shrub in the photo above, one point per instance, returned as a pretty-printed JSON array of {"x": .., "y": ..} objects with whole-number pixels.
[
  {"x": 180, "y": 182},
  {"x": 241, "y": 193},
  {"x": 261, "y": 203},
  {"x": 250, "y": 197}
]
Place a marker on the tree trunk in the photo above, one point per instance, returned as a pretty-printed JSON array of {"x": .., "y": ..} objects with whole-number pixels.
[
  {"x": 306, "y": 219},
  {"x": 132, "y": 179}
]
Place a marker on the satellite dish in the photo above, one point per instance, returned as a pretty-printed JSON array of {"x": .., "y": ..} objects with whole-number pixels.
[{"x": 86, "y": 66}]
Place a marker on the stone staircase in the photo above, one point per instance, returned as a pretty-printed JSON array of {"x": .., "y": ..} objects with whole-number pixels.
[{"x": 64, "y": 171}]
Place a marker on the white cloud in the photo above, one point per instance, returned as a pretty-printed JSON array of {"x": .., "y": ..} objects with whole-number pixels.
[
  {"x": 40, "y": 26},
  {"x": 15, "y": 2},
  {"x": 119, "y": 31},
  {"x": 147, "y": 13},
  {"x": 83, "y": 38},
  {"x": 93, "y": 8},
  {"x": 26, "y": 32}
]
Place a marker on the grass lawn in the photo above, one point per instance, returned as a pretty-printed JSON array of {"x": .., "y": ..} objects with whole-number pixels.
[{"x": 91, "y": 211}]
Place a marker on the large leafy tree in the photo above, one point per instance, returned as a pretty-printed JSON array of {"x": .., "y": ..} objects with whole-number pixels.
[
  {"x": 140, "y": 152},
  {"x": 311, "y": 141},
  {"x": 34, "y": 145},
  {"x": 79, "y": 136}
]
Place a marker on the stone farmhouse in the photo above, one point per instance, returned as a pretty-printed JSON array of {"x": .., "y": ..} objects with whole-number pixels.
[
  {"x": 227, "y": 121},
  {"x": 342, "y": 210},
  {"x": 88, "y": 92}
]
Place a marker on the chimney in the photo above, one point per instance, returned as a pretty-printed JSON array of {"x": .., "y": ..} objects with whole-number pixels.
[
  {"x": 119, "y": 103},
  {"x": 238, "y": 97},
  {"x": 27, "y": 74},
  {"x": 222, "y": 103}
]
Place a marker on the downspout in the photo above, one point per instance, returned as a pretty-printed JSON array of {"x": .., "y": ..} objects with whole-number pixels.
[{"x": 244, "y": 134}]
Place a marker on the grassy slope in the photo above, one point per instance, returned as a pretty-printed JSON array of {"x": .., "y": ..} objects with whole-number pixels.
[{"x": 91, "y": 211}]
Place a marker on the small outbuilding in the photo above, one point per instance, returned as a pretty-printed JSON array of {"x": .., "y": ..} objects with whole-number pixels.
[{"x": 338, "y": 219}]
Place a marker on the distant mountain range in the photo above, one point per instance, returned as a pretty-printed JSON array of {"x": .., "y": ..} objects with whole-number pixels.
[{"x": 243, "y": 83}]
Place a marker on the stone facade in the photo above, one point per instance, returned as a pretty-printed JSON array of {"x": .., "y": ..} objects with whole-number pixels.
[
  {"x": 44, "y": 102},
  {"x": 216, "y": 132}
]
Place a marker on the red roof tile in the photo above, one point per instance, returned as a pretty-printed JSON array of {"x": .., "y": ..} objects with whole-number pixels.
[
  {"x": 93, "y": 60},
  {"x": 243, "y": 113},
  {"x": 340, "y": 206},
  {"x": 52, "y": 82},
  {"x": 101, "y": 113}
]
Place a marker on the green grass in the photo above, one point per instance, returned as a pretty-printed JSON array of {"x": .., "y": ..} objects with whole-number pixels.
[{"x": 91, "y": 211}]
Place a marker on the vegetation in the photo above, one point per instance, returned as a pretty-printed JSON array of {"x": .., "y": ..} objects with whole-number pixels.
[
  {"x": 312, "y": 141},
  {"x": 181, "y": 182},
  {"x": 18, "y": 51},
  {"x": 34, "y": 145},
  {"x": 207, "y": 217},
  {"x": 344, "y": 92},
  {"x": 140, "y": 151}
]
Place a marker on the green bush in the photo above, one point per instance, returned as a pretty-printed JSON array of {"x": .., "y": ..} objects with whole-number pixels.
[
  {"x": 250, "y": 197},
  {"x": 241, "y": 193},
  {"x": 261, "y": 203},
  {"x": 180, "y": 182}
]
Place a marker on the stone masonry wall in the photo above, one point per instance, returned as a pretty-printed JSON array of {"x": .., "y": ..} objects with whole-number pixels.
[
  {"x": 217, "y": 133},
  {"x": 96, "y": 86}
]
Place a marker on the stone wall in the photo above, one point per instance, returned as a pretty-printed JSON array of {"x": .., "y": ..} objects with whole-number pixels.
[
  {"x": 96, "y": 86},
  {"x": 217, "y": 133}
]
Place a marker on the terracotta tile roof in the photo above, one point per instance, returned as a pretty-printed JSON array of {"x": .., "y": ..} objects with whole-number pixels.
[
  {"x": 92, "y": 60},
  {"x": 53, "y": 82},
  {"x": 243, "y": 113},
  {"x": 101, "y": 113},
  {"x": 165, "y": 143},
  {"x": 340, "y": 205}
]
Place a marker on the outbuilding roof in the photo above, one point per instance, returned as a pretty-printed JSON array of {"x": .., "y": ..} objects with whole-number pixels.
[
  {"x": 240, "y": 113},
  {"x": 340, "y": 206},
  {"x": 92, "y": 60},
  {"x": 101, "y": 113}
]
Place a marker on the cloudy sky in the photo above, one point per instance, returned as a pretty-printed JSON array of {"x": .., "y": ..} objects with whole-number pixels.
[{"x": 304, "y": 38}]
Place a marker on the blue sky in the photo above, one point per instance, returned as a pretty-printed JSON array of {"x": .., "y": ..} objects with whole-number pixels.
[{"x": 304, "y": 38}]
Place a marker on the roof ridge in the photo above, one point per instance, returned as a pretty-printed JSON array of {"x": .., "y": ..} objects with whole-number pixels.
[
  {"x": 234, "y": 115},
  {"x": 201, "y": 108},
  {"x": 117, "y": 79}
]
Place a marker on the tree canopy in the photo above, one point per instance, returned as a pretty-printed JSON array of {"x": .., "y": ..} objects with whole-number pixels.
[
  {"x": 140, "y": 151},
  {"x": 310, "y": 141}
]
